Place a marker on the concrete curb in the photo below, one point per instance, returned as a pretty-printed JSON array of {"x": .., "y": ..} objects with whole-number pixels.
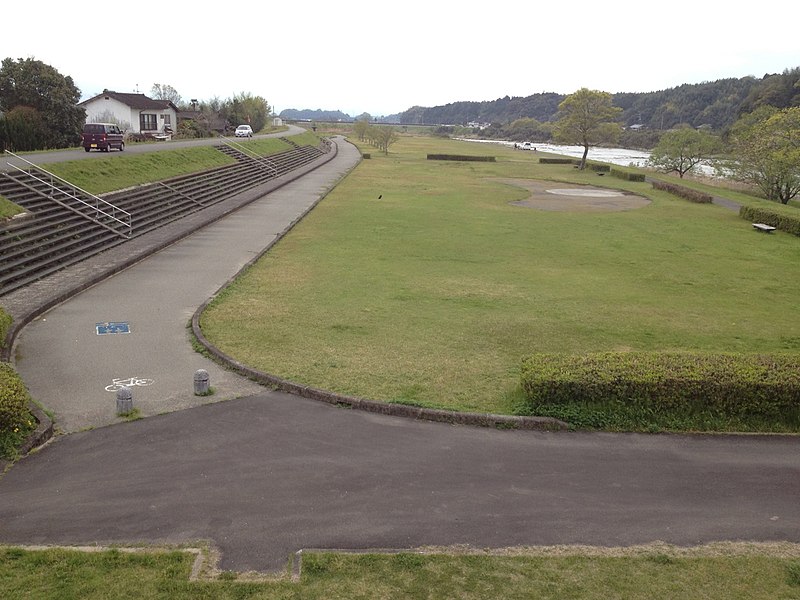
[{"x": 373, "y": 406}]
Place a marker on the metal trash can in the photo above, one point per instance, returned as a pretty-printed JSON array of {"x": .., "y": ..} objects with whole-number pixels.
[
  {"x": 201, "y": 382},
  {"x": 124, "y": 400}
]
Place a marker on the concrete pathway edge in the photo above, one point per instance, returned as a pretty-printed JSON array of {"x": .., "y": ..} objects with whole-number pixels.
[{"x": 373, "y": 406}]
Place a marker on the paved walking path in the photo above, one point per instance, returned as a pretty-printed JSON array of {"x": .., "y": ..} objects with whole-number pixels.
[
  {"x": 68, "y": 366},
  {"x": 267, "y": 474}
]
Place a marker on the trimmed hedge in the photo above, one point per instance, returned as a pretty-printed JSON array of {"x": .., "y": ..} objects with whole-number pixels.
[
  {"x": 5, "y": 325},
  {"x": 556, "y": 161},
  {"x": 628, "y": 175},
  {"x": 683, "y": 192},
  {"x": 14, "y": 398},
  {"x": 730, "y": 385},
  {"x": 599, "y": 167},
  {"x": 461, "y": 157},
  {"x": 787, "y": 223}
]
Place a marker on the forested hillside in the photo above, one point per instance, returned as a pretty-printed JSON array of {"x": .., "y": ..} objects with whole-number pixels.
[
  {"x": 314, "y": 115},
  {"x": 715, "y": 104}
]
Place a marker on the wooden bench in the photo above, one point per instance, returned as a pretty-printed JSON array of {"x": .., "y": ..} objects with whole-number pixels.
[{"x": 763, "y": 227}]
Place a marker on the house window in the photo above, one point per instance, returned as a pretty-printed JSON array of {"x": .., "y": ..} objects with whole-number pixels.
[
  {"x": 166, "y": 119},
  {"x": 148, "y": 122}
]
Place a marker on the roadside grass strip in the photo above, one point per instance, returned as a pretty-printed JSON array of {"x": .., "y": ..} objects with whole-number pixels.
[{"x": 723, "y": 571}]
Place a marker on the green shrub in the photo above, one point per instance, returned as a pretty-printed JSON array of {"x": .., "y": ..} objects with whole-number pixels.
[
  {"x": 465, "y": 157},
  {"x": 557, "y": 161},
  {"x": 784, "y": 222},
  {"x": 599, "y": 167},
  {"x": 5, "y": 325},
  {"x": 683, "y": 192},
  {"x": 628, "y": 175},
  {"x": 733, "y": 386},
  {"x": 13, "y": 398}
]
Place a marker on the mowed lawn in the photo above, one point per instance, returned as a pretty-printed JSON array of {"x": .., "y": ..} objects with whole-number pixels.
[
  {"x": 418, "y": 281},
  {"x": 765, "y": 574}
]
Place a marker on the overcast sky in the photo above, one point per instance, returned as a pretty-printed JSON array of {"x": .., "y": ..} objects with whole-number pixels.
[{"x": 382, "y": 58}]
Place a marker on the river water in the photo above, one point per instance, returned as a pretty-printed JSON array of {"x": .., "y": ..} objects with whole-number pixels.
[{"x": 615, "y": 156}]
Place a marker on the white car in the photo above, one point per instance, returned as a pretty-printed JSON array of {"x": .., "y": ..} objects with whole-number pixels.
[{"x": 244, "y": 131}]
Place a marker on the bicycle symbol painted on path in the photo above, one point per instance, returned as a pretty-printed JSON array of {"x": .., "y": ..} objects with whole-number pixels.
[{"x": 118, "y": 384}]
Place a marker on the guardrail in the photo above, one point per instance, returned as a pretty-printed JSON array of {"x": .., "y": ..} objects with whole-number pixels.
[
  {"x": 250, "y": 154},
  {"x": 101, "y": 208}
]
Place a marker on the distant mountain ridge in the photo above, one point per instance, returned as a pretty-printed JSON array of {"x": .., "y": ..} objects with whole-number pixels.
[
  {"x": 314, "y": 115},
  {"x": 334, "y": 116},
  {"x": 715, "y": 104}
]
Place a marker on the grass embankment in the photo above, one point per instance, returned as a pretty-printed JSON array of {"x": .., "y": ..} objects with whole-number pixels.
[
  {"x": 418, "y": 281},
  {"x": 115, "y": 172},
  {"x": 57, "y": 573},
  {"x": 118, "y": 172},
  {"x": 8, "y": 208}
]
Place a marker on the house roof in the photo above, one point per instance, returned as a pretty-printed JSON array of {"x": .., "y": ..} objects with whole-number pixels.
[{"x": 138, "y": 101}]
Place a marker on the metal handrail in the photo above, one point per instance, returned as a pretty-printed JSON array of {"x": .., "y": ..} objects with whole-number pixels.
[
  {"x": 126, "y": 220},
  {"x": 246, "y": 151}
]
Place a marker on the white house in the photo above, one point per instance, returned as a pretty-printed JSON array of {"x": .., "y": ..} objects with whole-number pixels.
[
  {"x": 277, "y": 122},
  {"x": 134, "y": 113}
]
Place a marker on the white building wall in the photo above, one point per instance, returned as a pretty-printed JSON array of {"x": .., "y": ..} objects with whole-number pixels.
[
  {"x": 99, "y": 109},
  {"x": 105, "y": 109}
]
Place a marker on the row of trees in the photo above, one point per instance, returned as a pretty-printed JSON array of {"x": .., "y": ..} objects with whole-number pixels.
[
  {"x": 220, "y": 115},
  {"x": 242, "y": 108},
  {"x": 762, "y": 148},
  {"x": 380, "y": 136}
]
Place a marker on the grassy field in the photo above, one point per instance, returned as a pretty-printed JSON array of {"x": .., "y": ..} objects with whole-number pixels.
[
  {"x": 418, "y": 281},
  {"x": 67, "y": 574}
]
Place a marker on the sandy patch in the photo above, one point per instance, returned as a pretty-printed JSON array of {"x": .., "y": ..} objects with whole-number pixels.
[{"x": 547, "y": 195}]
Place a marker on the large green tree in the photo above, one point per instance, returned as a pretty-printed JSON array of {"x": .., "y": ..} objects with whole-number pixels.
[
  {"x": 32, "y": 83},
  {"x": 766, "y": 150},
  {"x": 245, "y": 108},
  {"x": 587, "y": 118},
  {"x": 360, "y": 127},
  {"x": 165, "y": 91},
  {"x": 681, "y": 150},
  {"x": 384, "y": 137}
]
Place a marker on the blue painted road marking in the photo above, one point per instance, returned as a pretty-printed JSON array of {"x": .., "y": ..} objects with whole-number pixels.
[{"x": 112, "y": 327}]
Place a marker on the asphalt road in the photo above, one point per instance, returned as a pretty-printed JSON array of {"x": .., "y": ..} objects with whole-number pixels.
[
  {"x": 44, "y": 158},
  {"x": 267, "y": 475}
]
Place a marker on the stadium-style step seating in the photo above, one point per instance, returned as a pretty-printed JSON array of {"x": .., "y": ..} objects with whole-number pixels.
[{"x": 56, "y": 236}]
